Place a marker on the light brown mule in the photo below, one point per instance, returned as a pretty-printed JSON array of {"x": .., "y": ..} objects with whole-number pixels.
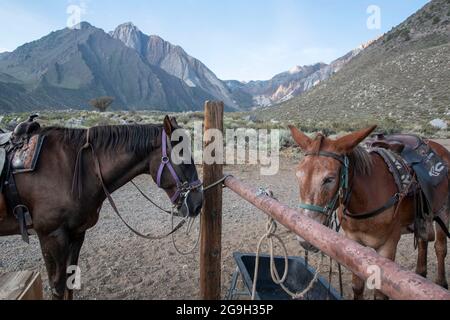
[{"x": 372, "y": 186}]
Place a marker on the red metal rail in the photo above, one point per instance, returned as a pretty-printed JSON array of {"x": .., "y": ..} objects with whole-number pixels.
[{"x": 396, "y": 282}]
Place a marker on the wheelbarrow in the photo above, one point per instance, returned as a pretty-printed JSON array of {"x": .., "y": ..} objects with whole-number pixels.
[{"x": 299, "y": 277}]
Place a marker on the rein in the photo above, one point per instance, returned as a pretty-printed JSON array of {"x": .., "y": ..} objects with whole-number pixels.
[{"x": 343, "y": 194}]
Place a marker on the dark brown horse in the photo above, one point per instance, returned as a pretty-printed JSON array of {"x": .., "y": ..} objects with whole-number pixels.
[
  {"x": 62, "y": 217},
  {"x": 372, "y": 184}
]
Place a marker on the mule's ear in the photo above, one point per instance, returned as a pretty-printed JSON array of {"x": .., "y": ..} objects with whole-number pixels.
[
  {"x": 300, "y": 138},
  {"x": 169, "y": 128},
  {"x": 174, "y": 123},
  {"x": 349, "y": 142}
]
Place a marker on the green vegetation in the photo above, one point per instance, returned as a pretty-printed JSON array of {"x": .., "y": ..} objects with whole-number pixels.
[{"x": 403, "y": 33}]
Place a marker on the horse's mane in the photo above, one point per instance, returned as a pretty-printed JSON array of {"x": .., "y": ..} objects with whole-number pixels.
[
  {"x": 361, "y": 161},
  {"x": 139, "y": 139}
]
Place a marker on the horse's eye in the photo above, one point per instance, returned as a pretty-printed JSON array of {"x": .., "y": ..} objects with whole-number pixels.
[{"x": 328, "y": 180}]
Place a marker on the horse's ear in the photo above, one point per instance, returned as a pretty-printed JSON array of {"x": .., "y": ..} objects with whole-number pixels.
[
  {"x": 169, "y": 128},
  {"x": 300, "y": 138},
  {"x": 349, "y": 142}
]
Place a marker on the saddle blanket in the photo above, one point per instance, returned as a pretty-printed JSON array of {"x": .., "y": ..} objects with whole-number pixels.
[{"x": 398, "y": 168}]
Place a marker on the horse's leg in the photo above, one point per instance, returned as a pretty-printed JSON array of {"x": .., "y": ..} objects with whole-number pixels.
[
  {"x": 76, "y": 242},
  {"x": 440, "y": 247},
  {"x": 55, "y": 249},
  {"x": 389, "y": 251},
  {"x": 422, "y": 258},
  {"x": 358, "y": 287}
]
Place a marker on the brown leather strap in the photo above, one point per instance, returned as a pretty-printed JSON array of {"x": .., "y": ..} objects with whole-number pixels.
[
  {"x": 77, "y": 184},
  {"x": 372, "y": 214},
  {"x": 443, "y": 226}
]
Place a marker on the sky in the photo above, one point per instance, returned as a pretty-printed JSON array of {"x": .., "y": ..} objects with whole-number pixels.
[{"x": 237, "y": 39}]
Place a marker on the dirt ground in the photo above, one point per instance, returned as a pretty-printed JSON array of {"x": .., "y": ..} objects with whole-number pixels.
[{"x": 116, "y": 264}]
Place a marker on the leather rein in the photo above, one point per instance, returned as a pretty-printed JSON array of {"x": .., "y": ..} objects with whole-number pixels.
[
  {"x": 343, "y": 194},
  {"x": 181, "y": 194}
]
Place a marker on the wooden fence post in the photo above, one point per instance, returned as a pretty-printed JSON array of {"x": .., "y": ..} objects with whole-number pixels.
[{"x": 211, "y": 219}]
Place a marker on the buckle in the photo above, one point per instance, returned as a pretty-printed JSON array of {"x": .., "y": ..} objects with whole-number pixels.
[{"x": 165, "y": 160}]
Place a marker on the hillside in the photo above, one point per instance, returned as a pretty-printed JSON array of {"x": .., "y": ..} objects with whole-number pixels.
[{"x": 403, "y": 77}]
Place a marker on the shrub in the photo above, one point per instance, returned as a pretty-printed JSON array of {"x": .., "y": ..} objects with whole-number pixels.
[{"x": 101, "y": 103}]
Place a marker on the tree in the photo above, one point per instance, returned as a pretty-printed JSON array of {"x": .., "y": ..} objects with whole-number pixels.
[{"x": 101, "y": 103}]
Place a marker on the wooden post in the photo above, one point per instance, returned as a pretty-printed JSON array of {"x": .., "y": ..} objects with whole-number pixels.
[{"x": 211, "y": 219}]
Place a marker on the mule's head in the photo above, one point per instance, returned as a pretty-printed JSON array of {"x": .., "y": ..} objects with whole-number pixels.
[
  {"x": 174, "y": 170},
  {"x": 319, "y": 177}
]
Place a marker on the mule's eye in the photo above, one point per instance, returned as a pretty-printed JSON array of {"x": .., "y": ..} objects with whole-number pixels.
[{"x": 328, "y": 180}]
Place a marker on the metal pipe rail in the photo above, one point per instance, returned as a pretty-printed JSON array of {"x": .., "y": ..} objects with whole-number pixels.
[{"x": 396, "y": 282}]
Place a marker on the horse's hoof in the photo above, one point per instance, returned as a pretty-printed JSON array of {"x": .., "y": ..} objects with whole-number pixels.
[
  {"x": 422, "y": 274},
  {"x": 443, "y": 284}
]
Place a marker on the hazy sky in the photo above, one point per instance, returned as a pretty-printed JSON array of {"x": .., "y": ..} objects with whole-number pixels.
[{"x": 237, "y": 39}]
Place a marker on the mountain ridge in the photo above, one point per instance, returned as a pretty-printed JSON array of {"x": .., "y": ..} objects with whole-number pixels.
[
  {"x": 68, "y": 67},
  {"x": 289, "y": 84}
]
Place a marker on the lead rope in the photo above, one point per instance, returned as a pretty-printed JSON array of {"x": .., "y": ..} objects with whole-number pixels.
[
  {"x": 192, "y": 221},
  {"x": 188, "y": 231},
  {"x": 271, "y": 228}
]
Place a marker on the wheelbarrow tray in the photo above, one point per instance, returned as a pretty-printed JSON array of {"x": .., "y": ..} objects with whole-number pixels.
[{"x": 299, "y": 277}]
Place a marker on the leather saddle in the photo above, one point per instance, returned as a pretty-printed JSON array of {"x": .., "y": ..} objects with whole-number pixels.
[
  {"x": 430, "y": 171},
  {"x": 396, "y": 143}
]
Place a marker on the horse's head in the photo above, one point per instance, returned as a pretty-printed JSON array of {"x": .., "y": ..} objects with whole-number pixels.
[
  {"x": 174, "y": 171},
  {"x": 323, "y": 173}
]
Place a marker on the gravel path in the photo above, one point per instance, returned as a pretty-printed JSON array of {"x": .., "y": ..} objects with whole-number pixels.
[{"x": 118, "y": 265}]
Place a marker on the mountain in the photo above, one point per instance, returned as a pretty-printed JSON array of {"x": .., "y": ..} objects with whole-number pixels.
[
  {"x": 174, "y": 60},
  {"x": 67, "y": 68},
  {"x": 287, "y": 85},
  {"x": 403, "y": 76}
]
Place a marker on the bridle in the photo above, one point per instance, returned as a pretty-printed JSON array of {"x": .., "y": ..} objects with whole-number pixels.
[
  {"x": 184, "y": 187},
  {"x": 338, "y": 198},
  {"x": 343, "y": 194}
]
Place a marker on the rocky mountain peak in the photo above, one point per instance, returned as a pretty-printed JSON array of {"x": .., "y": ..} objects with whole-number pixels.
[
  {"x": 84, "y": 25},
  {"x": 174, "y": 60},
  {"x": 131, "y": 36},
  {"x": 295, "y": 69}
]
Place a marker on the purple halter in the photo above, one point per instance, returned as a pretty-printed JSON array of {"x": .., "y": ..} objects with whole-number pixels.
[{"x": 182, "y": 187}]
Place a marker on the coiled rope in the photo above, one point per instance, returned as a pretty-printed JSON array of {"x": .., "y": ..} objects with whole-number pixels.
[{"x": 270, "y": 235}]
